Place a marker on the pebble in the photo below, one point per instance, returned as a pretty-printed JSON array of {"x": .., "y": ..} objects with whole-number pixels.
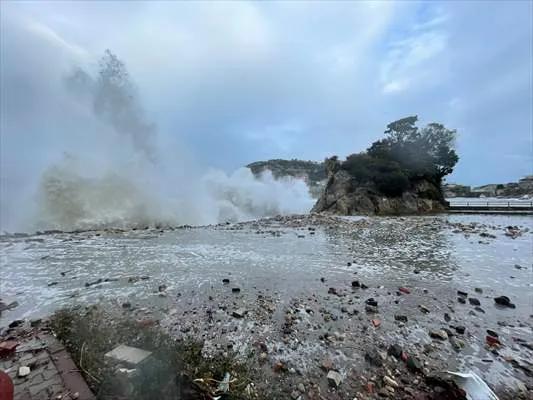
[
  {"x": 424, "y": 309},
  {"x": 239, "y": 313},
  {"x": 447, "y": 317},
  {"x": 478, "y": 290},
  {"x": 400, "y": 318},
  {"x": 235, "y": 290},
  {"x": 504, "y": 301},
  {"x": 391, "y": 382},
  {"x": 461, "y": 300},
  {"x": 301, "y": 388},
  {"x": 440, "y": 334},
  {"x": 474, "y": 302},
  {"x": 23, "y": 371}
]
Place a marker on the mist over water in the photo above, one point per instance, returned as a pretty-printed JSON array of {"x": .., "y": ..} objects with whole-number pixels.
[{"x": 108, "y": 172}]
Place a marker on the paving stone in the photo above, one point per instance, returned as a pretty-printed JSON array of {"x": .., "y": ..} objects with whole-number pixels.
[
  {"x": 49, "y": 373},
  {"x": 35, "y": 389},
  {"x": 36, "y": 379}
]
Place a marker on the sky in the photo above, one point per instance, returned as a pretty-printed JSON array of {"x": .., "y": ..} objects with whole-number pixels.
[{"x": 229, "y": 83}]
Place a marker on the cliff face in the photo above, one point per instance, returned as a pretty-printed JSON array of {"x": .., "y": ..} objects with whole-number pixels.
[{"x": 342, "y": 195}]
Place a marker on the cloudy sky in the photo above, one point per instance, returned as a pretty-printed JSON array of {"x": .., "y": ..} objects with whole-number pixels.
[{"x": 229, "y": 83}]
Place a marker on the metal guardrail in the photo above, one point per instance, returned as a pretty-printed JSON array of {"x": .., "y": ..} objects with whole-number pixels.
[{"x": 490, "y": 204}]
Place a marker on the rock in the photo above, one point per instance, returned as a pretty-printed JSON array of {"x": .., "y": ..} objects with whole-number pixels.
[
  {"x": 373, "y": 358},
  {"x": 327, "y": 365},
  {"x": 461, "y": 300},
  {"x": 356, "y": 284},
  {"x": 457, "y": 344},
  {"x": 52, "y": 283},
  {"x": 16, "y": 323},
  {"x": 395, "y": 351},
  {"x": 391, "y": 382},
  {"x": 518, "y": 266},
  {"x": 332, "y": 290},
  {"x": 404, "y": 290},
  {"x": 295, "y": 395},
  {"x": 440, "y": 334},
  {"x": 376, "y": 323},
  {"x": 344, "y": 309},
  {"x": 371, "y": 309},
  {"x": 301, "y": 388},
  {"x": 424, "y": 309},
  {"x": 492, "y": 341},
  {"x": 225, "y": 281},
  {"x": 7, "y": 304},
  {"x": 131, "y": 357},
  {"x": 474, "y": 302},
  {"x": 462, "y": 294},
  {"x": 126, "y": 305},
  {"x": 371, "y": 302},
  {"x": 447, "y": 317},
  {"x": 334, "y": 379},
  {"x": 98, "y": 281},
  {"x": 239, "y": 313},
  {"x": 162, "y": 288},
  {"x": 363, "y": 286},
  {"x": 479, "y": 309},
  {"x": 35, "y": 322},
  {"x": 414, "y": 365},
  {"x": 416, "y": 271},
  {"x": 23, "y": 371},
  {"x": 8, "y": 347},
  {"x": 235, "y": 290},
  {"x": 478, "y": 290},
  {"x": 400, "y": 318},
  {"x": 504, "y": 301}
]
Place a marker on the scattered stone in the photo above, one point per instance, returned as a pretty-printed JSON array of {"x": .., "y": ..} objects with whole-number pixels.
[
  {"x": 447, "y": 317},
  {"x": 98, "y": 281},
  {"x": 162, "y": 288},
  {"x": 371, "y": 309},
  {"x": 462, "y": 294},
  {"x": 371, "y": 302},
  {"x": 334, "y": 378},
  {"x": 404, "y": 290},
  {"x": 225, "y": 281},
  {"x": 492, "y": 341},
  {"x": 457, "y": 344},
  {"x": 327, "y": 365},
  {"x": 440, "y": 334},
  {"x": 492, "y": 333},
  {"x": 479, "y": 309},
  {"x": 23, "y": 371},
  {"x": 391, "y": 382},
  {"x": 301, "y": 388},
  {"x": 8, "y": 347},
  {"x": 376, "y": 323},
  {"x": 239, "y": 313},
  {"x": 35, "y": 322},
  {"x": 374, "y": 358},
  {"x": 363, "y": 286},
  {"x": 461, "y": 300},
  {"x": 424, "y": 309},
  {"x": 400, "y": 318},
  {"x": 332, "y": 290},
  {"x": 414, "y": 365},
  {"x": 518, "y": 266},
  {"x": 504, "y": 301},
  {"x": 126, "y": 305},
  {"x": 16, "y": 323},
  {"x": 474, "y": 302},
  {"x": 52, "y": 283},
  {"x": 395, "y": 351},
  {"x": 235, "y": 290},
  {"x": 356, "y": 284},
  {"x": 322, "y": 279},
  {"x": 416, "y": 271},
  {"x": 478, "y": 290}
]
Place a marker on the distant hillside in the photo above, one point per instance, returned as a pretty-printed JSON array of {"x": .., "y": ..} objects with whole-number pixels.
[
  {"x": 524, "y": 187},
  {"x": 313, "y": 172}
]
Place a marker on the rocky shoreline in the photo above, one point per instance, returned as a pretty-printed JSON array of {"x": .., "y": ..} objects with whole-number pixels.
[{"x": 352, "y": 335}]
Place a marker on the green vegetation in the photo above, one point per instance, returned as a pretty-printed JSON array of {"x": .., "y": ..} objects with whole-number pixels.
[
  {"x": 314, "y": 171},
  {"x": 89, "y": 333},
  {"x": 406, "y": 156}
]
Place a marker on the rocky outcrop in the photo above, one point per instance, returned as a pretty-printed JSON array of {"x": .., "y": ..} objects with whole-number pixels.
[{"x": 342, "y": 195}]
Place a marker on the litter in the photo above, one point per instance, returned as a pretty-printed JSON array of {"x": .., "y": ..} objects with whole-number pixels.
[{"x": 473, "y": 385}]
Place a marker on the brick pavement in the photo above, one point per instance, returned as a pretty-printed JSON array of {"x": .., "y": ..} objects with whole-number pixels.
[{"x": 53, "y": 373}]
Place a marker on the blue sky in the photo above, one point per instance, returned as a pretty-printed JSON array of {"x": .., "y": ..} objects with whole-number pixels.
[{"x": 229, "y": 83}]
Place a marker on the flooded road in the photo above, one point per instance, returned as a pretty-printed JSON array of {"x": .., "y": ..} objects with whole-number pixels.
[{"x": 303, "y": 267}]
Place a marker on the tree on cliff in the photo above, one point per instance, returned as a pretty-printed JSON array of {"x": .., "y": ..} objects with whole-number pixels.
[
  {"x": 427, "y": 153},
  {"x": 404, "y": 157}
]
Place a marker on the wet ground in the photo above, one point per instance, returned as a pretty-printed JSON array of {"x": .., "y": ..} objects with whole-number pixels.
[{"x": 298, "y": 304}]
